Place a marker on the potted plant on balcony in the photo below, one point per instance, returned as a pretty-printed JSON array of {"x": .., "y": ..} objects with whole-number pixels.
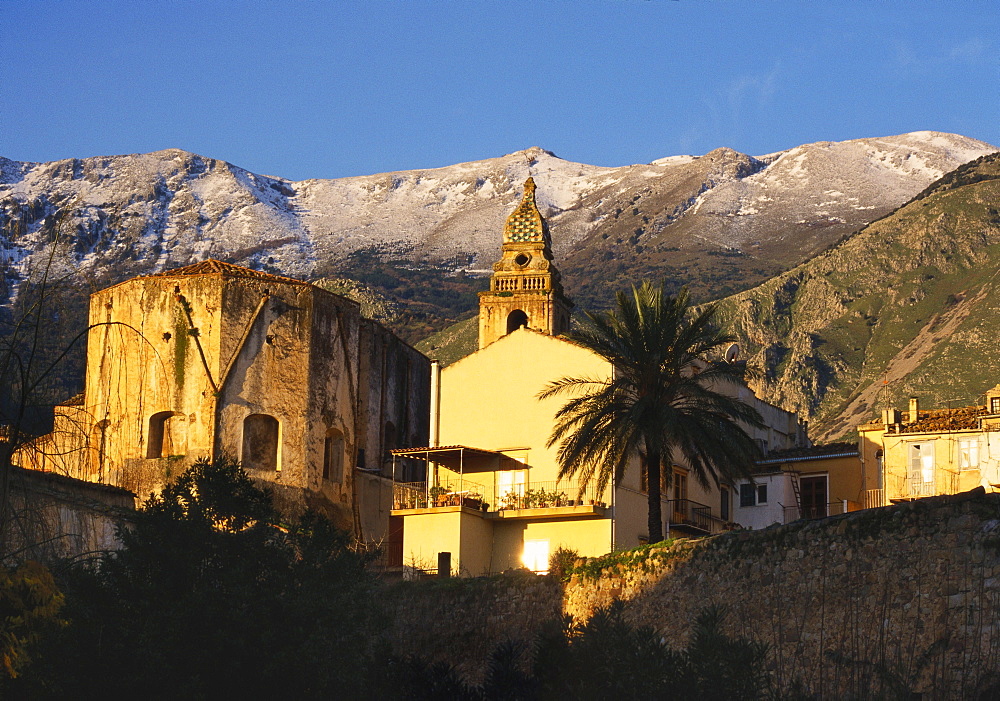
[{"x": 438, "y": 495}]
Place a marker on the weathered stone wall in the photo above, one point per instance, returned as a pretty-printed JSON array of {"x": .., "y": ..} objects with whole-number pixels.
[
  {"x": 214, "y": 360},
  {"x": 51, "y": 516},
  {"x": 460, "y": 621},
  {"x": 906, "y": 595}
]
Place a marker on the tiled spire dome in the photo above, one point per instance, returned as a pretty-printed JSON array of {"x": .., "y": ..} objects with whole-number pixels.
[{"x": 525, "y": 224}]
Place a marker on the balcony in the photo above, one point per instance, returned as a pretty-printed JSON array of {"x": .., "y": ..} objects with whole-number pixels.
[
  {"x": 445, "y": 493},
  {"x": 919, "y": 487},
  {"x": 520, "y": 284},
  {"x": 533, "y": 500},
  {"x": 917, "y": 484},
  {"x": 693, "y": 518}
]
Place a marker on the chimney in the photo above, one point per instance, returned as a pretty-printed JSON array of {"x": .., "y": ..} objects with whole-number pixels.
[
  {"x": 890, "y": 417},
  {"x": 912, "y": 417}
]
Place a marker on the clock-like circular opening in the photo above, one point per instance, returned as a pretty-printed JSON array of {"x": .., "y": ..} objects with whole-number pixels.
[{"x": 522, "y": 259}]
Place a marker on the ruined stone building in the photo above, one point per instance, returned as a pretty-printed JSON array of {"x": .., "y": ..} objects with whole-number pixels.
[{"x": 215, "y": 359}]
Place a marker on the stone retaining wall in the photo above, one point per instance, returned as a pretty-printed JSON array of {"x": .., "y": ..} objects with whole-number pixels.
[
  {"x": 905, "y": 596},
  {"x": 461, "y": 621}
]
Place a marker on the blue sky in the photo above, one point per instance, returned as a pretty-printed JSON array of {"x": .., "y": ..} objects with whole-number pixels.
[{"x": 331, "y": 89}]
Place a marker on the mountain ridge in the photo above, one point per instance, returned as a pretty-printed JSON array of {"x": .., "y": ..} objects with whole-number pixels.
[
  {"x": 451, "y": 215},
  {"x": 901, "y": 308},
  {"x": 418, "y": 244}
]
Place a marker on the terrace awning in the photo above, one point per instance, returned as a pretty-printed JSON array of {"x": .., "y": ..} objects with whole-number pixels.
[{"x": 462, "y": 458}]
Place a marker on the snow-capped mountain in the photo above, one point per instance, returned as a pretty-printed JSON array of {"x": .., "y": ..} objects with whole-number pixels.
[{"x": 720, "y": 222}]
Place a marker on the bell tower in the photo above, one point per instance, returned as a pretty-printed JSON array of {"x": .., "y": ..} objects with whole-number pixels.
[{"x": 525, "y": 289}]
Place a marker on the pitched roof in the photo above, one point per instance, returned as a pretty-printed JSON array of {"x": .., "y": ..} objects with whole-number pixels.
[
  {"x": 960, "y": 419},
  {"x": 813, "y": 452},
  {"x": 218, "y": 267},
  {"x": 75, "y": 400}
]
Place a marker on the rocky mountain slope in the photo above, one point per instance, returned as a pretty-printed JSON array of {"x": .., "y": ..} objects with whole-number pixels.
[
  {"x": 719, "y": 222},
  {"x": 908, "y": 306}
]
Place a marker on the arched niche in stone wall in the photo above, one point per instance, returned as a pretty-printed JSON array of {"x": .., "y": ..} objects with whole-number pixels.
[
  {"x": 516, "y": 319},
  {"x": 333, "y": 456},
  {"x": 261, "y": 443},
  {"x": 166, "y": 435}
]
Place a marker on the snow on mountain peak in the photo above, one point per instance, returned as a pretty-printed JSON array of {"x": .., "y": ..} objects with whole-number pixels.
[{"x": 143, "y": 212}]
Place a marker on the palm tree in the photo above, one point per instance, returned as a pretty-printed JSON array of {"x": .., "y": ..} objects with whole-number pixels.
[{"x": 662, "y": 401}]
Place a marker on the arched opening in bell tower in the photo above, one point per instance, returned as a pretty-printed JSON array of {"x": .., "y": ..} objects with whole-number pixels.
[{"x": 516, "y": 319}]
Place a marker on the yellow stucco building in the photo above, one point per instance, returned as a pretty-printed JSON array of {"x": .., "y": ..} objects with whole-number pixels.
[
  {"x": 921, "y": 453},
  {"x": 492, "y": 499}
]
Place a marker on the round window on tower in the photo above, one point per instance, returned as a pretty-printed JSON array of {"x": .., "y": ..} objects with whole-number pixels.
[{"x": 522, "y": 259}]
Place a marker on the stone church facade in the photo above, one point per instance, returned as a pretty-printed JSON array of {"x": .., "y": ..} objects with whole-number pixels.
[{"x": 214, "y": 359}]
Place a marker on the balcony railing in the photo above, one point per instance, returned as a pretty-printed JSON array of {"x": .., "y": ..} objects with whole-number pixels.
[
  {"x": 874, "y": 498},
  {"x": 917, "y": 487},
  {"x": 814, "y": 511},
  {"x": 463, "y": 492},
  {"x": 547, "y": 495},
  {"x": 515, "y": 284},
  {"x": 692, "y": 514},
  {"x": 417, "y": 495}
]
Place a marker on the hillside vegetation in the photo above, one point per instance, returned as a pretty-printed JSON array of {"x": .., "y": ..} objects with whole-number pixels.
[{"x": 908, "y": 306}]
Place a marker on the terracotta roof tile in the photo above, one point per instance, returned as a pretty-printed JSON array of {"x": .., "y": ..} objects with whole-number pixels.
[
  {"x": 959, "y": 419},
  {"x": 218, "y": 267}
]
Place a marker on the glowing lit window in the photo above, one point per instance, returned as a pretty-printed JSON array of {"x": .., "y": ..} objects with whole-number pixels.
[{"x": 536, "y": 556}]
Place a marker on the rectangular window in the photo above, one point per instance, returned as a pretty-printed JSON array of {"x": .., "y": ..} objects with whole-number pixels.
[
  {"x": 644, "y": 480},
  {"x": 995, "y": 405},
  {"x": 680, "y": 485},
  {"x": 814, "y": 495},
  {"x": 761, "y": 493},
  {"x": 752, "y": 495},
  {"x": 682, "y": 508},
  {"x": 968, "y": 454}
]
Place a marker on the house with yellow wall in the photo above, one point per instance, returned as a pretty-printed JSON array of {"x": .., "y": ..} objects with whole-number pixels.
[
  {"x": 810, "y": 482},
  {"x": 492, "y": 499},
  {"x": 921, "y": 453}
]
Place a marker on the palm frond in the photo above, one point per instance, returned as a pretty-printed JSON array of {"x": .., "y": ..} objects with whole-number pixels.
[{"x": 666, "y": 395}]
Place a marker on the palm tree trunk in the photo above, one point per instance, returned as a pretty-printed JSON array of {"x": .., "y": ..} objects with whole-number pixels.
[{"x": 655, "y": 522}]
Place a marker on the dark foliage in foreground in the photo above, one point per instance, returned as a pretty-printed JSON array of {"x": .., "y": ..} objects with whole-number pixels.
[
  {"x": 211, "y": 597},
  {"x": 602, "y": 659}
]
